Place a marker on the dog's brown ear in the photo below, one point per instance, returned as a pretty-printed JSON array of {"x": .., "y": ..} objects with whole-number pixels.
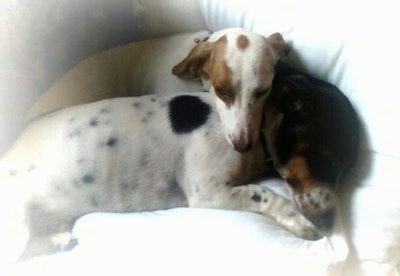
[
  {"x": 192, "y": 65},
  {"x": 279, "y": 45}
]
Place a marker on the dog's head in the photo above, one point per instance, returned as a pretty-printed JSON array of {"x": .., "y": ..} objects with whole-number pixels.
[
  {"x": 239, "y": 67},
  {"x": 312, "y": 136}
]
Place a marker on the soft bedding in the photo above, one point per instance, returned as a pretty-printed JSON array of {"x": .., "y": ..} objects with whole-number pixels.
[
  {"x": 351, "y": 45},
  {"x": 191, "y": 241}
]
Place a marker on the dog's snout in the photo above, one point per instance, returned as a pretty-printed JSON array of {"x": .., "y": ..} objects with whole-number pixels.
[
  {"x": 323, "y": 221},
  {"x": 241, "y": 142},
  {"x": 242, "y": 145}
]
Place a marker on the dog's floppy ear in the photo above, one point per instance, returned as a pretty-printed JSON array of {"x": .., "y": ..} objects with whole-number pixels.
[
  {"x": 279, "y": 45},
  {"x": 192, "y": 65}
]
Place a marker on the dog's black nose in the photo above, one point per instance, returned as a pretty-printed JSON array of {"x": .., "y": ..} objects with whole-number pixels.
[
  {"x": 242, "y": 146},
  {"x": 324, "y": 221}
]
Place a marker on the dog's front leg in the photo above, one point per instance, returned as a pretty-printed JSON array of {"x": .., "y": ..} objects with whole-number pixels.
[{"x": 258, "y": 199}]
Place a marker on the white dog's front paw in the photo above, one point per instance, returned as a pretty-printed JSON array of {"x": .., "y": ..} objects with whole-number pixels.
[
  {"x": 51, "y": 244},
  {"x": 301, "y": 227},
  {"x": 63, "y": 242}
]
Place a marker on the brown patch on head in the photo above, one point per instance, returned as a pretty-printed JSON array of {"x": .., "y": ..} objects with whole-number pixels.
[
  {"x": 219, "y": 73},
  {"x": 242, "y": 42},
  {"x": 297, "y": 175},
  {"x": 221, "y": 81}
]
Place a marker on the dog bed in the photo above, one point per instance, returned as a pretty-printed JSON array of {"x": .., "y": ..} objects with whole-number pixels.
[{"x": 43, "y": 39}]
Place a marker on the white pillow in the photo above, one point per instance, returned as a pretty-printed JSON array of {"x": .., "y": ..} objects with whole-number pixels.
[{"x": 129, "y": 70}]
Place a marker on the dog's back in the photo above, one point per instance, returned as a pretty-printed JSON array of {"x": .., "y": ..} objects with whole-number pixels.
[
  {"x": 118, "y": 155},
  {"x": 120, "y": 141}
]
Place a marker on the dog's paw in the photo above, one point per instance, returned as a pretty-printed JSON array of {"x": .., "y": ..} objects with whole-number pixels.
[
  {"x": 297, "y": 224},
  {"x": 309, "y": 233},
  {"x": 63, "y": 242},
  {"x": 46, "y": 245}
]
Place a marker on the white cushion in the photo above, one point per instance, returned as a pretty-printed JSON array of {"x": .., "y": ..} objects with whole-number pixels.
[{"x": 132, "y": 69}]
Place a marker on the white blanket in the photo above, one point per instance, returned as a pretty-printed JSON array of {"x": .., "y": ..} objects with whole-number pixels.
[{"x": 191, "y": 241}]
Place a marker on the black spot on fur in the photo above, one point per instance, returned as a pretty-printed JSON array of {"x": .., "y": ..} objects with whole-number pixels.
[
  {"x": 125, "y": 185},
  {"x": 112, "y": 142},
  {"x": 163, "y": 104},
  {"x": 88, "y": 179},
  {"x": 136, "y": 105},
  {"x": 149, "y": 114},
  {"x": 187, "y": 113},
  {"x": 172, "y": 194},
  {"x": 256, "y": 197},
  {"x": 144, "y": 159},
  {"x": 94, "y": 122},
  {"x": 153, "y": 100},
  {"x": 94, "y": 202},
  {"x": 105, "y": 110},
  {"x": 58, "y": 187},
  {"x": 12, "y": 173},
  {"x": 74, "y": 133},
  {"x": 80, "y": 161},
  {"x": 153, "y": 138},
  {"x": 129, "y": 186},
  {"x": 72, "y": 119}
]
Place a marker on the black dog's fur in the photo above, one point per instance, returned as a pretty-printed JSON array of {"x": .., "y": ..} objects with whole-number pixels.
[{"x": 319, "y": 114}]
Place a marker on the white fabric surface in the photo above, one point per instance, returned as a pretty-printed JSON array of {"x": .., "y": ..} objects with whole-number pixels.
[
  {"x": 191, "y": 241},
  {"x": 132, "y": 69}
]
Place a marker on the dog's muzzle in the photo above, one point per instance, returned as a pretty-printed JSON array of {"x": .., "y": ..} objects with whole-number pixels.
[
  {"x": 319, "y": 206},
  {"x": 241, "y": 142},
  {"x": 323, "y": 220},
  {"x": 241, "y": 145}
]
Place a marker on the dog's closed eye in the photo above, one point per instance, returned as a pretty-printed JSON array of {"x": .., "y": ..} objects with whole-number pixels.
[
  {"x": 224, "y": 93},
  {"x": 259, "y": 93},
  {"x": 220, "y": 92}
]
